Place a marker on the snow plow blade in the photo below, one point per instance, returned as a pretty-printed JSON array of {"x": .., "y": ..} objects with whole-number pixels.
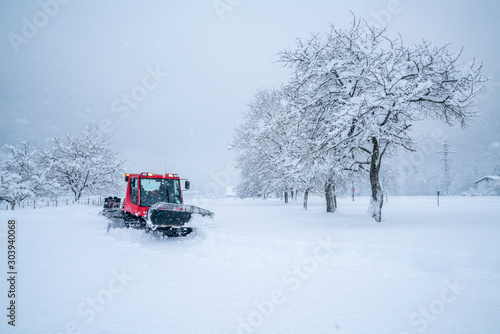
[{"x": 173, "y": 215}]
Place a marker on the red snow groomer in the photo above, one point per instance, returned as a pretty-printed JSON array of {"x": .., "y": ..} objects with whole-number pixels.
[{"x": 153, "y": 202}]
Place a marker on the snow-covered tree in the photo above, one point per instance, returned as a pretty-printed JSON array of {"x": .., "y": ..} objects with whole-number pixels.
[
  {"x": 20, "y": 175},
  {"x": 371, "y": 89},
  {"x": 83, "y": 162},
  {"x": 279, "y": 149},
  {"x": 320, "y": 158},
  {"x": 261, "y": 142}
]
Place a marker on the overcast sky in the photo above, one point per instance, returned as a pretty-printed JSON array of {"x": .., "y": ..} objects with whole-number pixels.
[{"x": 169, "y": 79}]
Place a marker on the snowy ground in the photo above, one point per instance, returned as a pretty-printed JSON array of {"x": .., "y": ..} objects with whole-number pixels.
[{"x": 264, "y": 267}]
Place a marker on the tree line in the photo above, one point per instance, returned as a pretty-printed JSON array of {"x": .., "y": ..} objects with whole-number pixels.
[
  {"x": 69, "y": 164},
  {"x": 351, "y": 101}
]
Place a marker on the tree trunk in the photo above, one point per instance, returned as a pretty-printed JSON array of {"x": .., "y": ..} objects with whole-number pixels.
[
  {"x": 377, "y": 199},
  {"x": 78, "y": 195},
  {"x": 330, "y": 196},
  {"x": 286, "y": 196},
  {"x": 306, "y": 195}
]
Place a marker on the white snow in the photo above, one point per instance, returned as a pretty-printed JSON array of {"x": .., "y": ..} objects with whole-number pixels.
[
  {"x": 488, "y": 178},
  {"x": 263, "y": 267}
]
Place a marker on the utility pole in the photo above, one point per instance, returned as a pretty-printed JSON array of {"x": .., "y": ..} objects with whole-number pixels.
[{"x": 446, "y": 167}]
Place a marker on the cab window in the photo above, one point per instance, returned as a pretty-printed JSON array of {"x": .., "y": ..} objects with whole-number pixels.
[
  {"x": 133, "y": 190},
  {"x": 155, "y": 190}
]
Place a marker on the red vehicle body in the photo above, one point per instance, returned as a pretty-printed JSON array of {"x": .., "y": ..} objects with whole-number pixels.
[
  {"x": 146, "y": 189},
  {"x": 153, "y": 202}
]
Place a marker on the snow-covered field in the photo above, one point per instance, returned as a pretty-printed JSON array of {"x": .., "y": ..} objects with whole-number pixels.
[{"x": 263, "y": 267}]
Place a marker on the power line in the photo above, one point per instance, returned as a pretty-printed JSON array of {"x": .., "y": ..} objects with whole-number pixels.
[{"x": 446, "y": 167}]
